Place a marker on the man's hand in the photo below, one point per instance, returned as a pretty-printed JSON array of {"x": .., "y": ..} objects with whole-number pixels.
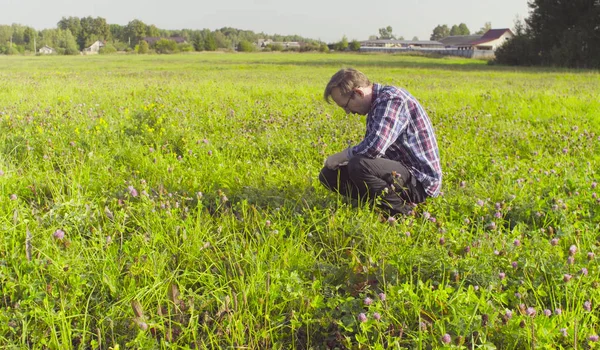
[{"x": 335, "y": 161}]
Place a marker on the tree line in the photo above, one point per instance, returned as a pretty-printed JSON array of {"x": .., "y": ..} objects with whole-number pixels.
[
  {"x": 73, "y": 34},
  {"x": 563, "y": 33}
]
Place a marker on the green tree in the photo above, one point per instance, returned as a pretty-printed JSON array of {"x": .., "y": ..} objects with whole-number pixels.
[
  {"x": 71, "y": 23},
  {"x": 386, "y": 33},
  {"x": 166, "y": 46},
  {"x": 246, "y": 46},
  {"x": 342, "y": 44},
  {"x": 415, "y": 38},
  {"x": 210, "y": 44},
  {"x": 463, "y": 29},
  {"x": 143, "y": 48},
  {"x": 135, "y": 31},
  {"x": 354, "y": 45},
  {"x": 440, "y": 32},
  {"x": 487, "y": 26},
  {"x": 454, "y": 30}
]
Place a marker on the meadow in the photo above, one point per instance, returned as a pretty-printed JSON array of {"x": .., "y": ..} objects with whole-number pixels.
[{"x": 173, "y": 202}]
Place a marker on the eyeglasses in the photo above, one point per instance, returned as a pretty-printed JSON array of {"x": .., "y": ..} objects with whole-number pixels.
[{"x": 346, "y": 105}]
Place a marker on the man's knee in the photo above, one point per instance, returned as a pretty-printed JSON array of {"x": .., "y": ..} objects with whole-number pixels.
[
  {"x": 328, "y": 177},
  {"x": 357, "y": 168}
]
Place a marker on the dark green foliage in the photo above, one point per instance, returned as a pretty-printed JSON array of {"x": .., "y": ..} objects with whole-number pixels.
[
  {"x": 558, "y": 33},
  {"x": 246, "y": 46}
]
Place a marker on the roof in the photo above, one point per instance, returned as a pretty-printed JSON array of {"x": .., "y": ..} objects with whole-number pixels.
[
  {"x": 404, "y": 42},
  {"x": 491, "y": 35},
  {"x": 459, "y": 40}
]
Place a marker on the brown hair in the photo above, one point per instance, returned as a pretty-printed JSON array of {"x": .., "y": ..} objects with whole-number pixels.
[{"x": 346, "y": 79}]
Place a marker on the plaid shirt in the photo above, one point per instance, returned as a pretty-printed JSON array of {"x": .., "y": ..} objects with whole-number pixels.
[{"x": 399, "y": 129}]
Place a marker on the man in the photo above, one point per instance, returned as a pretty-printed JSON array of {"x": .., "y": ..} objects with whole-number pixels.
[{"x": 398, "y": 161}]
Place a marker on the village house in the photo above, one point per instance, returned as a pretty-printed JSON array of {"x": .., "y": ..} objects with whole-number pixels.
[
  {"x": 262, "y": 43},
  {"x": 46, "y": 50},
  {"x": 94, "y": 48}
]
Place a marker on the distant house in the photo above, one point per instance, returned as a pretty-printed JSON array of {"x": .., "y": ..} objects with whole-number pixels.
[
  {"x": 401, "y": 44},
  {"x": 460, "y": 42},
  {"x": 151, "y": 40},
  {"x": 46, "y": 50},
  {"x": 491, "y": 40},
  {"x": 94, "y": 48},
  {"x": 262, "y": 43}
]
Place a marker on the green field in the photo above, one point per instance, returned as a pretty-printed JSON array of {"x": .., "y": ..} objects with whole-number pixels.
[{"x": 186, "y": 189}]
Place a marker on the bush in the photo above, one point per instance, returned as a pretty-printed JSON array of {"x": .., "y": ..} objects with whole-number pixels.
[
  {"x": 185, "y": 47},
  {"x": 166, "y": 46},
  {"x": 142, "y": 47},
  {"x": 246, "y": 46},
  {"x": 107, "y": 49},
  {"x": 518, "y": 51}
]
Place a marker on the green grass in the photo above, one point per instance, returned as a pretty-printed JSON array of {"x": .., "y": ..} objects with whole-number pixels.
[{"x": 231, "y": 242}]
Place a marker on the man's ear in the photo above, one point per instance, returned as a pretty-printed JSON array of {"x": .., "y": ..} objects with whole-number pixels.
[{"x": 359, "y": 91}]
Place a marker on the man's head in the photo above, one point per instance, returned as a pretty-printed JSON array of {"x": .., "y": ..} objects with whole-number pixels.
[{"x": 351, "y": 90}]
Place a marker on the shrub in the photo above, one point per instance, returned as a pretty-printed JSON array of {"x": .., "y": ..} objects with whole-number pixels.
[
  {"x": 142, "y": 47},
  {"x": 246, "y": 46},
  {"x": 107, "y": 49},
  {"x": 166, "y": 46}
]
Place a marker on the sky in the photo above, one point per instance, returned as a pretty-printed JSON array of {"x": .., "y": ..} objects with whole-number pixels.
[{"x": 325, "y": 20}]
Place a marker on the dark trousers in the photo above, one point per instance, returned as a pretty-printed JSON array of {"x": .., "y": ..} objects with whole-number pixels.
[{"x": 366, "y": 179}]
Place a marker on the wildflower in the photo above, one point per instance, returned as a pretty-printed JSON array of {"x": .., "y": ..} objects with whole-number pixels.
[
  {"x": 502, "y": 275},
  {"x": 382, "y": 296},
  {"x": 594, "y": 184},
  {"x": 491, "y": 225},
  {"x": 132, "y": 191},
  {"x": 377, "y": 316},
  {"x": 426, "y": 215},
  {"x": 498, "y": 215},
  {"x": 362, "y": 317},
  {"x": 547, "y": 312},
  {"x": 205, "y": 141},
  {"x": 268, "y": 223},
  {"x": 570, "y": 260},
  {"x": 584, "y": 271},
  {"x": 517, "y": 243},
  {"x": 590, "y": 256},
  {"x": 422, "y": 326},
  {"x": 151, "y": 150},
  {"x": 467, "y": 249},
  {"x": 391, "y": 220},
  {"x": 210, "y": 153},
  {"x": 480, "y": 203},
  {"x": 554, "y": 241},
  {"x": 407, "y": 234},
  {"x": 515, "y": 264},
  {"x": 563, "y": 331},
  {"x": 59, "y": 234},
  {"x": 467, "y": 221},
  {"x": 530, "y": 311},
  {"x": 13, "y": 197},
  {"x": 446, "y": 339},
  {"x": 1, "y": 173},
  {"x": 463, "y": 184},
  {"x": 565, "y": 150},
  {"x": 199, "y": 195},
  {"x": 442, "y": 240},
  {"x": 567, "y": 277},
  {"x": 517, "y": 295},
  {"x": 587, "y": 305},
  {"x": 508, "y": 314},
  {"x": 368, "y": 301},
  {"x": 558, "y": 311},
  {"x": 593, "y": 338},
  {"x": 572, "y": 250},
  {"x": 496, "y": 252}
]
